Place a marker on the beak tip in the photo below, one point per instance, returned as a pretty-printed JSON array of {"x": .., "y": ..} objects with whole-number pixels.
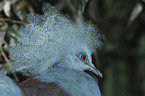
[{"x": 101, "y": 75}]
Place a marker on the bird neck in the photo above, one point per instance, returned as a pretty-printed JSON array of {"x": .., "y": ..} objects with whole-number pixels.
[{"x": 74, "y": 82}]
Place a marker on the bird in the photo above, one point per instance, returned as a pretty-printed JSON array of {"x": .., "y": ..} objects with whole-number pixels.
[
  {"x": 8, "y": 87},
  {"x": 54, "y": 51}
]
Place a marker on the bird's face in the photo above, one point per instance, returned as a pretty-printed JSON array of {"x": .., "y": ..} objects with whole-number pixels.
[{"x": 81, "y": 61}]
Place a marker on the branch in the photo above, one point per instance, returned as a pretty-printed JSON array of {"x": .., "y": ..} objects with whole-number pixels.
[{"x": 13, "y": 21}]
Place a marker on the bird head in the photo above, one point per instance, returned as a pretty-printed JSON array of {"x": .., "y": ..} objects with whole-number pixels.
[
  {"x": 53, "y": 40},
  {"x": 80, "y": 61}
]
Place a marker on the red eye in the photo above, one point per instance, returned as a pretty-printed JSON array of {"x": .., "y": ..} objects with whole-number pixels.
[{"x": 83, "y": 57}]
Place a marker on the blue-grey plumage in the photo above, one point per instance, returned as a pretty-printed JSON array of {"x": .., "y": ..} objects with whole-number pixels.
[
  {"x": 8, "y": 87},
  {"x": 48, "y": 38},
  {"x": 74, "y": 82},
  {"x": 52, "y": 46}
]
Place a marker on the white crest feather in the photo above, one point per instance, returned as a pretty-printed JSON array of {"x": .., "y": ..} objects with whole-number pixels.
[{"x": 48, "y": 38}]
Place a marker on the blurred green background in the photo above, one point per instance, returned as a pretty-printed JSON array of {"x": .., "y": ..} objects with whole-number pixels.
[{"x": 121, "y": 24}]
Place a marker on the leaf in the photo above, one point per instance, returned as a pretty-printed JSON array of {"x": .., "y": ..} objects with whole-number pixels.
[
  {"x": 2, "y": 5},
  {"x": 17, "y": 11},
  {"x": 7, "y": 8},
  {"x": 12, "y": 32},
  {"x": 2, "y": 33},
  {"x": 136, "y": 11},
  {"x": 4, "y": 68}
]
